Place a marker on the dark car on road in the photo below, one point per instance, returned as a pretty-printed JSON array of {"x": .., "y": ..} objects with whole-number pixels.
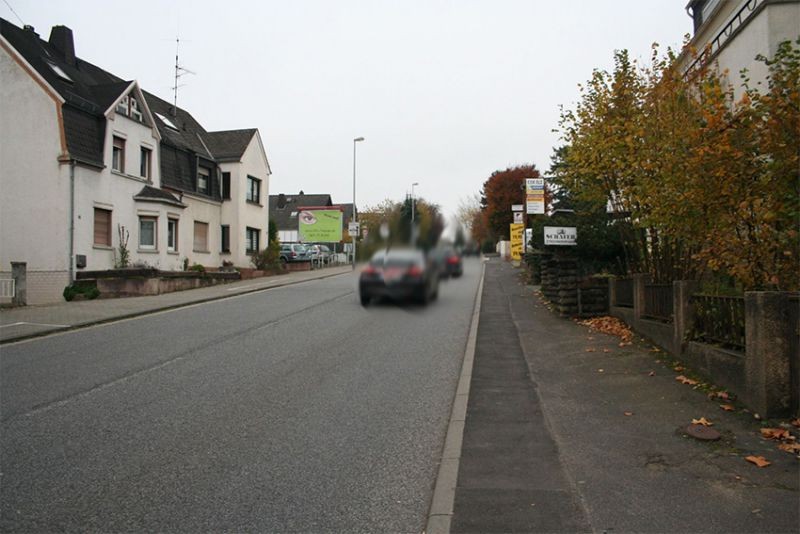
[
  {"x": 399, "y": 274},
  {"x": 448, "y": 261}
]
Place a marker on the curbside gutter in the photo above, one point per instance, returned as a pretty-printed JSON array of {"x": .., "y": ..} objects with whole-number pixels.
[
  {"x": 158, "y": 309},
  {"x": 444, "y": 492}
]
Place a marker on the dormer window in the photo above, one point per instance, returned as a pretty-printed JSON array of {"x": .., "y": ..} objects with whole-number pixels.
[
  {"x": 129, "y": 107},
  {"x": 203, "y": 175}
]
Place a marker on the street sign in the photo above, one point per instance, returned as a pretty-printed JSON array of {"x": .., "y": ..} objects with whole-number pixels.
[
  {"x": 534, "y": 196},
  {"x": 517, "y": 217},
  {"x": 560, "y": 235},
  {"x": 352, "y": 229},
  {"x": 517, "y": 207}
]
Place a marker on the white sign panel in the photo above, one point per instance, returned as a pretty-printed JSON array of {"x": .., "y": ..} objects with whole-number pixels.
[
  {"x": 560, "y": 235},
  {"x": 517, "y": 207},
  {"x": 517, "y": 217},
  {"x": 534, "y": 196},
  {"x": 352, "y": 229}
]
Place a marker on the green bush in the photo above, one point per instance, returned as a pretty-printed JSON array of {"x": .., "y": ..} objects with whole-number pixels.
[
  {"x": 197, "y": 268},
  {"x": 88, "y": 291}
]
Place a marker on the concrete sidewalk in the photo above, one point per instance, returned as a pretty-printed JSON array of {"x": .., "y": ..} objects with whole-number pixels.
[
  {"x": 32, "y": 321},
  {"x": 566, "y": 431}
]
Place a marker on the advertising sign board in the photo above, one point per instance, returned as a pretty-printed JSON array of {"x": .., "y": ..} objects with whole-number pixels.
[
  {"x": 534, "y": 196},
  {"x": 517, "y": 217},
  {"x": 560, "y": 235},
  {"x": 516, "y": 240},
  {"x": 319, "y": 224}
]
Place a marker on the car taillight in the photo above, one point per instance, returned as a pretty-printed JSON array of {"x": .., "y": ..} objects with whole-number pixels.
[
  {"x": 414, "y": 270},
  {"x": 369, "y": 269},
  {"x": 452, "y": 260}
]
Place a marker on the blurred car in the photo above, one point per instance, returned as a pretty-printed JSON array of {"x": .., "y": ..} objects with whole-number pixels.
[
  {"x": 453, "y": 264},
  {"x": 447, "y": 261},
  {"x": 292, "y": 252},
  {"x": 318, "y": 252},
  {"x": 399, "y": 274}
]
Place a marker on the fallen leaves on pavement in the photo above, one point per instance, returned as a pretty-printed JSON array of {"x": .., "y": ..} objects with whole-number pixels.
[
  {"x": 727, "y": 407},
  {"x": 590, "y": 349},
  {"x": 760, "y": 461},
  {"x": 796, "y": 422},
  {"x": 685, "y": 380},
  {"x": 610, "y": 325},
  {"x": 791, "y": 448},
  {"x": 628, "y": 414},
  {"x": 777, "y": 434},
  {"x": 702, "y": 421},
  {"x": 651, "y": 373},
  {"x": 678, "y": 368}
]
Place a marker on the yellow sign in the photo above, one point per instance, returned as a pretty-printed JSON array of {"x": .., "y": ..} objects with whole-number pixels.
[{"x": 517, "y": 231}]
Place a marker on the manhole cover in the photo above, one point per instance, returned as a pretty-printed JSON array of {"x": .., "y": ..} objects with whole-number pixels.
[{"x": 702, "y": 432}]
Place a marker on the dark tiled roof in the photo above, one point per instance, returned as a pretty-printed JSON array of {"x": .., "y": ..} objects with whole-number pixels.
[
  {"x": 153, "y": 194},
  {"x": 188, "y": 134},
  {"x": 85, "y": 135},
  {"x": 283, "y": 215},
  {"x": 229, "y": 145}
]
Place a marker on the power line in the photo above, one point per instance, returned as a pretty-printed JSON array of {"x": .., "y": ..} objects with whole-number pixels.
[{"x": 15, "y": 13}]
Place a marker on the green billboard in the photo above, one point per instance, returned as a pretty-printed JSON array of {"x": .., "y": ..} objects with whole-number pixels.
[{"x": 319, "y": 225}]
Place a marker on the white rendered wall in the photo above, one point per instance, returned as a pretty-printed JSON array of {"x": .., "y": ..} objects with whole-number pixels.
[
  {"x": 34, "y": 187},
  {"x": 253, "y": 215}
]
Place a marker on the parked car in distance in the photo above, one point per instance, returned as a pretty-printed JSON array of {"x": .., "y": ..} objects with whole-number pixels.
[
  {"x": 321, "y": 252},
  {"x": 399, "y": 274},
  {"x": 292, "y": 252}
]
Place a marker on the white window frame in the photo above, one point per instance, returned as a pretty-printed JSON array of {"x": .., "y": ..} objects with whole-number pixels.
[
  {"x": 172, "y": 243},
  {"x": 205, "y": 177},
  {"x": 151, "y": 219},
  {"x": 118, "y": 166},
  {"x": 146, "y": 162}
]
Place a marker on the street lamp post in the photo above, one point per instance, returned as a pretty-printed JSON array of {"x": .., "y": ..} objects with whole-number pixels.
[
  {"x": 413, "y": 214},
  {"x": 355, "y": 217}
]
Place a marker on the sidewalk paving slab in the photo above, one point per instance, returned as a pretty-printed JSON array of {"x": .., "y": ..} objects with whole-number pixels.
[
  {"x": 25, "y": 322},
  {"x": 627, "y": 473}
]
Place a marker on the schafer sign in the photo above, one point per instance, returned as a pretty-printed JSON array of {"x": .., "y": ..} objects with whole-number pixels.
[{"x": 560, "y": 235}]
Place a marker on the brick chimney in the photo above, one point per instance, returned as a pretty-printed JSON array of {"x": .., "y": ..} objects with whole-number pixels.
[{"x": 61, "y": 40}]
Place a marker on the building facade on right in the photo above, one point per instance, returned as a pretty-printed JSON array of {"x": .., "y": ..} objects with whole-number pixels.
[{"x": 732, "y": 33}]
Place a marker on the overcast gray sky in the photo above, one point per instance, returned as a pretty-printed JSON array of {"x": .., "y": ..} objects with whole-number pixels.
[{"x": 445, "y": 92}]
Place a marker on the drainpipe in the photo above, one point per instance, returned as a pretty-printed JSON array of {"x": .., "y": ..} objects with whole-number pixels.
[{"x": 71, "y": 220}]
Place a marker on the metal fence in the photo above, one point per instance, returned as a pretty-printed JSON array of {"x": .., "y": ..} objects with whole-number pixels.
[
  {"x": 658, "y": 302},
  {"x": 623, "y": 292},
  {"x": 718, "y": 320}
]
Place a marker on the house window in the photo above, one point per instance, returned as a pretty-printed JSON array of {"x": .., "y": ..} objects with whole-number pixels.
[
  {"x": 226, "y": 185},
  {"x": 200, "y": 237},
  {"x": 225, "y": 246},
  {"x": 147, "y": 233},
  {"x": 203, "y": 175},
  {"x": 144, "y": 163},
  {"x": 252, "y": 236},
  {"x": 118, "y": 154},
  {"x": 172, "y": 235},
  {"x": 102, "y": 227},
  {"x": 253, "y": 190}
]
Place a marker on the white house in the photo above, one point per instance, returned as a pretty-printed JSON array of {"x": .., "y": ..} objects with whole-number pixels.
[
  {"x": 88, "y": 160},
  {"x": 731, "y": 33}
]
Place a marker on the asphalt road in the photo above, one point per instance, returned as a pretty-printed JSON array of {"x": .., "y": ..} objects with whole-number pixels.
[{"x": 293, "y": 409}]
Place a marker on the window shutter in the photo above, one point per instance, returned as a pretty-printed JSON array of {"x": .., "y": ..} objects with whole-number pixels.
[
  {"x": 102, "y": 227},
  {"x": 200, "y": 236}
]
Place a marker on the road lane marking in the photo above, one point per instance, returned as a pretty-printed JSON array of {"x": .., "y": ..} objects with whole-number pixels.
[{"x": 36, "y": 324}]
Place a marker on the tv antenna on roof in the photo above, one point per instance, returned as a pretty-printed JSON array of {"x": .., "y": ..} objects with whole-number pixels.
[{"x": 179, "y": 72}]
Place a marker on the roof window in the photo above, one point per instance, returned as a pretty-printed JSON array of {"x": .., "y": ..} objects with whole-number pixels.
[
  {"x": 166, "y": 121},
  {"x": 61, "y": 74}
]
